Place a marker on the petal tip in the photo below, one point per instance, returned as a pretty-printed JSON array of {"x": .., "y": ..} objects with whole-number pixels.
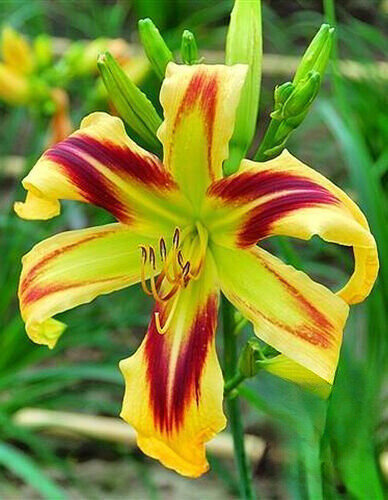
[
  {"x": 45, "y": 333},
  {"x": 36, "y": 207}
]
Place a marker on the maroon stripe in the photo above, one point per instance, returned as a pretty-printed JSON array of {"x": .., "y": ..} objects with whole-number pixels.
[
  {"x": 191, "y": 361},
  {"x": 39, "y": 292},
  {"x": 249, "y": 186},
  {"x": 93, "y": 186},
  {"x": 320, "y": 331},
  {"x": 258, "y": 222},
  {"x": 157, "y": 353},
  {"x": 202, "y": 92},
  {"x": 169, "y": 407},
  {"x": 37, "y": 268},
  {"x": 120, "y": 159}
]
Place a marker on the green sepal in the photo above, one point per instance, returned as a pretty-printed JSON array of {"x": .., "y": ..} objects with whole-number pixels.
[
  {"x": 155, "y": 47},
  {"x": 130, "y": 102},
  {"x": 189, "y": 49}
]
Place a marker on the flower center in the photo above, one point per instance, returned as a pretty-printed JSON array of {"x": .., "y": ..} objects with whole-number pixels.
[{"x": 180, "y": 264}]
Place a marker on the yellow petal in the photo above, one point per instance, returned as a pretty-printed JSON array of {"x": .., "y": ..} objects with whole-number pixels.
[
  {"x": 289, "y": 311},
  {"x": 289, "y": 370},
  {"x": 174, "y": 385},
  {"x": 199, "y": 105},
  {"x": 73, "y": 268},
  {"x": 99, "y": 164},
  {"x": 16, "y": 51},
  {"x": 285, "y": 197}
]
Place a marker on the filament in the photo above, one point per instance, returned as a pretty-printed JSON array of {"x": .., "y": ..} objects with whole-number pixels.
[{"x": 163, "y": 329}]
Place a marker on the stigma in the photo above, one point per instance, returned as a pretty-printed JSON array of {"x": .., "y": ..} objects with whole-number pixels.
[{"x": 179, "y": 262}]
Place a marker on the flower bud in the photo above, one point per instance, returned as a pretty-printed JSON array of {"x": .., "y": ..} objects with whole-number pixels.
[
  {"x": 281, "y": 94},
  {"x": 189, "y": 50},
  {"x": 317, "y": 54},
  {"x": 43, "y": 51},
  {"x": 244, "y": 45},
  {"x": 303, "y": 95},
  {"x": 247, "y": 363},
  {"x": 16, "y": 51},
  {"x": 155, "y": 47},
  {"x": 132, "y": 105}
]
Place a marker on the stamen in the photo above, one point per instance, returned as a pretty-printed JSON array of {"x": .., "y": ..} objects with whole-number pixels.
[
  {"x": 152, "y": 258},
  {"x": 144, "y": 254},
  {"x": 203, "y": 240},
  {"x": 163, "y": 329},
  {"x": 180, "y": 259},
  {"x": 162, "y": 249},
  {"x": 186, "y": 269},
  {"x": 176, "y": 237}
]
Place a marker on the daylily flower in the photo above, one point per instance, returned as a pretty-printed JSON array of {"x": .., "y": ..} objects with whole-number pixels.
[
  {"x": 186, "y": 233},
  {"x": 16, "y": 67}
]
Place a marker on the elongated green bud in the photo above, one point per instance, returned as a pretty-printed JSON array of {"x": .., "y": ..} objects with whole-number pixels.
[
  {"x": 244, "y": 45},
  {"x": 155, "y": 47},
  {"x": 247, "y": 363},
  {"x": 317, "y": 54},
  {"x": 132, "y": 105},
  {"x": 189, "y": 50}
]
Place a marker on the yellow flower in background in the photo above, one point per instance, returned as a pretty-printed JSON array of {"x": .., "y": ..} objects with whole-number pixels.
[
  {"x": 16, "y": 52},
  {"x": 84, "y": 57},
  {"x": 186, "y": 233},
  {"x": 17, "y": 65}
]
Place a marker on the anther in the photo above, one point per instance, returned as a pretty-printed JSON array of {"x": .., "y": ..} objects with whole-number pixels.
[
  {"x": 152, "y": 258},
  {"x": 162, "y": 249},
  {"x": 186, "y": 269},
  {"x": 175, "y": 238},
  {"x": 143, "y": 254},
  {"x": 180, "y": 259}
]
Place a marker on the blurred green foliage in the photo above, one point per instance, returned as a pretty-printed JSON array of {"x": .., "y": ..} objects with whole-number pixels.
[{"x": 328, "y": 450}]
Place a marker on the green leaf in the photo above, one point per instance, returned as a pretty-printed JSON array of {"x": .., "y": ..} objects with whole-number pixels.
[{"x": 27, "y": 470}]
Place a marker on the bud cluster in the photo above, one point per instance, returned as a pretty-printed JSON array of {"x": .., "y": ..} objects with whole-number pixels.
[{"x": 292, "y": 100}]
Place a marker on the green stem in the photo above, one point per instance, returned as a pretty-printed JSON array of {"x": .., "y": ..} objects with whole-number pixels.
[
  {"x": 233, "y": 383},
  {"x": 268, "y": 141},
  {"x": 233, "y": 404}
]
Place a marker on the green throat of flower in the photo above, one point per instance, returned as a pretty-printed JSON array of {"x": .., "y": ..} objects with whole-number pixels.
[{"x": 171, "y": 267}]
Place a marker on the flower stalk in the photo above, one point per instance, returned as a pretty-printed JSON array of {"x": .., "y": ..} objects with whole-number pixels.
[{"x": 233, "y": 404}]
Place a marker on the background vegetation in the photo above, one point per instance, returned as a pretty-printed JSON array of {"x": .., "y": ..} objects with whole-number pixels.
[{"x": 310, "y": 444}]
